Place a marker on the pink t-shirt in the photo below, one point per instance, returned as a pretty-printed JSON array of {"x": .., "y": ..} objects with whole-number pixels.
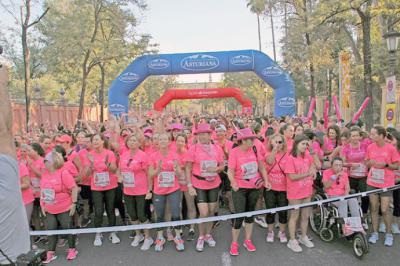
[
  {"x": 275, "y": 171},
  {"x": 134, "y": 172},
  {"x": 329, "y": 144},
  {"x": 289, "y": 143},
  {"x": 317, "y": 149},
  {"x": 397, "y": 172},
  {"x": 338, "y": 187},
  {"x": 228, "y": 146},
  {"x": 381, "y": 178},
  {"x": 301, "y": 188},
  {"x": 166, "y": 182},
  {"x": 85, "y": 163},
  {"x": 260, "y": 147},
  {"x": 55, "y": 191},
  {"x": 245, "y": 166},
  {"x": 205, "y": 156},
  {"x": 356, "y": 155},
  {"x": 102, "y": 179},
  {"x": 35, "y": 180},
  {"x": 27, "y": 194}
]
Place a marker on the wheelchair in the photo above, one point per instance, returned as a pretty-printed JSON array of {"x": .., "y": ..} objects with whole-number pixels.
[{"x": 326, "y": 222}]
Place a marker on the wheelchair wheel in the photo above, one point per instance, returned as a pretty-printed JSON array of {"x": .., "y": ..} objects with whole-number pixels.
[
  {"x": 317, "y": 217},
  {"x": 326, "y": 234},
  {"x": 359, "y": 245}
]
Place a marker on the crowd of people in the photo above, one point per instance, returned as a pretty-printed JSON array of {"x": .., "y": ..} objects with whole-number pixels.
[{"x": 170, "y": 167}]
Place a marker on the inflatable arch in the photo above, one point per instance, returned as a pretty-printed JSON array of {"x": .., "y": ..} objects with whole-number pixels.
[
  {"x": 203, "y": 62},
  {"x": 181, "y": 94}
]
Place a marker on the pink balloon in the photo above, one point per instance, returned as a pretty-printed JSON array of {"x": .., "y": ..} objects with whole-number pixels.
[
  {"x": 361, "y": 110},
  {"x": 312, "y": 107},
  {"x": 326, "y": 111},
  {"x": 337, "y": 109}
]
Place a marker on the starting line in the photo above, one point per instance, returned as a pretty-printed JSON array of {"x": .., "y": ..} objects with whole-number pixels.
[{"x": 204, "y": 220}]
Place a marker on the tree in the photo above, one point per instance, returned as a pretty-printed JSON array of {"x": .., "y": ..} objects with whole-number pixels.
[
  {"x": 257, "y": 7},
  {"x": 25, "y": 22}
]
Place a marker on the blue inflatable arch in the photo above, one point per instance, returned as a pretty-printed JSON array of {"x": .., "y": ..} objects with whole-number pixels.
[{"x": 203, "y": 62}]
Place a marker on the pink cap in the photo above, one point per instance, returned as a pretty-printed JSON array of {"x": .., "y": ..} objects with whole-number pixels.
[
  {"x": 147, "y": 130},
  {"x": 245, "y": 133},
  {"x": 148, "y": 134},
  {"x": 203, "y": 128},
  {"x": 176, "y": 126},
  {"x": 64, "y": 138}
]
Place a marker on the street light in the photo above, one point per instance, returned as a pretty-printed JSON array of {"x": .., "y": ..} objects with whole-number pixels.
[
  {"x": 392, "y": 41},
  {"x": 62, "y": 94}
]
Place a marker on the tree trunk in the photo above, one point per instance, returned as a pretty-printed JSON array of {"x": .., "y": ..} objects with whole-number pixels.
[
  {"x": 101, "y": 92},
  {"x": 85, "y": 74},
  {"x": 259, "y": 32},
  {"x": 26, "y": 56},
  {"x": 273, "y": 32},
  {"x": 366, "y": 29}
]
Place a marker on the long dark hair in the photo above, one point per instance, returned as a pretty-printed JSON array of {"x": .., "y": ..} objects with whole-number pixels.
[
  {"x": 296, "y": 143},
  {"x": 38, "y": 149},
  {"x": 337, "y": 130}
]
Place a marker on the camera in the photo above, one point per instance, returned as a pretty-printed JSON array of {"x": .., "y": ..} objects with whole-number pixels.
[{"x": 32, "y": 258}]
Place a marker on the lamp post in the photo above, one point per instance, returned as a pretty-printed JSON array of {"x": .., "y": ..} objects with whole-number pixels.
[
  {"x": 62, "y": 100},
  {"x": 38, "y": 99},
  {"x": 392, "y": 41}
]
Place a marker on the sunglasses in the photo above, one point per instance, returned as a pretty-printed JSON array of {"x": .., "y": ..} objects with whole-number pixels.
[{"x": 279, "y": 142}]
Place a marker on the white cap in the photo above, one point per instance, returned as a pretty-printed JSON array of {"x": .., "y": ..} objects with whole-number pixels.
[{"x": 222, "y": 127}]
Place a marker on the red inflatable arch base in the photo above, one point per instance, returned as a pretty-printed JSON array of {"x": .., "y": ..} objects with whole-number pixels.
[{"x": 184, "y": 94}]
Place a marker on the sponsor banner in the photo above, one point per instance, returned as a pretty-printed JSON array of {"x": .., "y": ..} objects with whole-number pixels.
[
  {"x": 390, "y": 115},
  {"x": 128, "y": 77},
  {"x": 391, "y": 89},
  {"x": 158, "y": 63},
  {"x": 199, "y": 62}
]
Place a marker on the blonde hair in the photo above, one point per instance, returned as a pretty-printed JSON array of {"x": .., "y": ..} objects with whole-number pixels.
[
  {"x": 58, "y": 160},
  {"x": 284, "y": 144}
]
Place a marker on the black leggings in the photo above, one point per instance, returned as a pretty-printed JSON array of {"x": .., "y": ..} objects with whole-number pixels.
[
  {"x": 396, "y": 203},
  {"x": 207, "y": 195},
  {"x": 244, "y": 200},
  {"x": 101, "y": 198},
  {"x": 52, "y": 221},
  {"x": 118, "y": 202},
  {"x": 275, "y": 199},
  {"x": 136, "y": 207},
  {"x": 360, "y": 185}
]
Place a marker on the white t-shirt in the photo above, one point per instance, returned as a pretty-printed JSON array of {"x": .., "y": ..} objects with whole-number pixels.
[{"x": 14, "y": 230}]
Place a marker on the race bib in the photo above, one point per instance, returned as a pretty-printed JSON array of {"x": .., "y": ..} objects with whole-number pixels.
[
  {"x": 207, "y": 164},
  {"x": 128, "y": 179},
  {"x": 378, "y": 175},
  {"x": 166, "y": 179},
  {"x": 35, "y": 182},
  {"x": 358, "y": 171},
  {"x": 250, "y": 170},
  {"x": 101, "y": 179},
  {"x": 48, "y": 195}
]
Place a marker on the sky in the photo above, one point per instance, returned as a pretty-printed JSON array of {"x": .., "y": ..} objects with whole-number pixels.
[{"x": 180, "y": 26}]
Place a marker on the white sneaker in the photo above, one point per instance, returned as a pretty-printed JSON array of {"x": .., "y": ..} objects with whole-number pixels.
[
  {"x": 114, "y": 238},
  {"x": 98, "y": 240},
  {"x": 395, "y": 229},
  {"x": 373, "y": 238},
  {"x": 260, "y": 220},
  {"x": 294, "y": 246},
  {"x": 382, "y": 228},
  {"x": 137, "y": 240},
  {"x": 148, "y": 242},
  {"x": 306, "y": 242}
]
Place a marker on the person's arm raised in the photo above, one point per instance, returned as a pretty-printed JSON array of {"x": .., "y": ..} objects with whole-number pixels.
[{"x": 6, "y": 138}]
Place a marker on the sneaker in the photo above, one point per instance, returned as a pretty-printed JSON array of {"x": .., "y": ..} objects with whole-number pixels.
[
  {"x": 373, "y": 238},
  {"x": 190, "y": 236},
  {"x": 98, "y": 240},
  {"x": 85, "y": 222},
  {"x": 282, "y": 237},
  {"x": 137, "y": 240},
  {"x": 270, "y": 237},
  {"x": 114, "y": 238},
  {"x": 132, "y": 235},
  {"x": 210, "y": 241},
  {"x": 170, "y": 236},
  {"x": 294, "y": 246},
  {"x": 395, "y": 229},
  {"x": 159, "y": 244},
  {"x": 306, "y": 242},
  {"x": 382, "y": 228},
  {"x": 249, "y": 245},
  {"x": 179, "y": 243},
  {"x": 200, "y": 244},
  {"x": 49, "y": 257},
  {"x": 72, "y": 253},
  {"x": 260, "y": 220},
  {"x": 388, "y": 240},
  {"x": 148, "y": 242},
  {"x": 234, "y": 251},
  {"x": 62, "y": 242}
]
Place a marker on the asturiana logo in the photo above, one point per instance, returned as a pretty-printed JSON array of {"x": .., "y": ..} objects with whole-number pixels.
[
  {"x": 241, "y": 60},
  {"x": 158, "y": 63},
  {"x": 116, "y": 108},
  {"x": 129, "y": 77},
  {"x": 286, "y": 102},
  {"x": 199, "y": 62},
  {"x": 272, "y": 71}
]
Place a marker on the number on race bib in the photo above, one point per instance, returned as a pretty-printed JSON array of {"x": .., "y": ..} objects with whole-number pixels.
[
  {"x": 250, "y": 170},
  {"x": 207, "y": 164},
  {"x": 101, "y": 179},
  {"x": 166, "y": 179},
  {"x": 128, "y": 179},
  {"x": 378, "y": 175},
  {"x": 48, "y": 195}
]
